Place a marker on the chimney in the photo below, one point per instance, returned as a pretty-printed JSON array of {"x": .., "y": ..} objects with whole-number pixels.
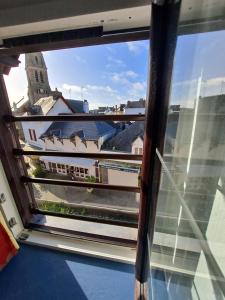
[{"x": 86, "y": 106}]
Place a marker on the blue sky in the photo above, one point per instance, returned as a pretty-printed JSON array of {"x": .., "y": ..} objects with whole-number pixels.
[{"x": 113, "y": 74}]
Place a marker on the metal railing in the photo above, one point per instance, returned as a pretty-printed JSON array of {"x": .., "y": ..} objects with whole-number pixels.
[{"x": 27, "y": 180}]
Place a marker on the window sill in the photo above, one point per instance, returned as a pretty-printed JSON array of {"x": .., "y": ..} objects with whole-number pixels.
[{"x": 80, "y": 246}]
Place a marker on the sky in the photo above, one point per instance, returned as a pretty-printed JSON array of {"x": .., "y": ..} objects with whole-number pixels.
[{"x": 107, "y": 75}]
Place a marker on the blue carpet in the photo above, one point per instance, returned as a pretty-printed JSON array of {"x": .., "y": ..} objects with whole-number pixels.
[{"x": 39, "y": 273}]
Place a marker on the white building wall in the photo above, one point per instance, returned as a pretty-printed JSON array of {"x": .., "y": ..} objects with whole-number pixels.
[
  {"x": 86, "y": 106},
  {"x": 68, "y": 146},
  {"x": 41, "y": 127},
  {"x": 78, "y": 145},
  {"x": 134, "y": 111},
  {"x": 81, "y": 163},
  {"x": 138, "y": 143},
  {"x": 59, "y": 108},
  {"x": 118, "y": 177},
  {"x": 9, "y": 206}
]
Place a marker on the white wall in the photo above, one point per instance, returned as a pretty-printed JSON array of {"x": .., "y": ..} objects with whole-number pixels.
[
  {"x": 9, "y": 206},
  {"x": 78, "y": 146},
  {"x": 133, "y": 111},
  {"x": 91, "y": 169},
  {"x": 68, "y": 146},
  {"x": 118, "y": 177},
  {"x": 86, "y": 107},
  {"x": 138, "y": 143},
  {"x": 41, "y": 127},
  {"x": 59, "y": 108}
]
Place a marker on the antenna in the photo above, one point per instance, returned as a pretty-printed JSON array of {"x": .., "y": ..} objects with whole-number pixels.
[{"x": 81, "y": 92}]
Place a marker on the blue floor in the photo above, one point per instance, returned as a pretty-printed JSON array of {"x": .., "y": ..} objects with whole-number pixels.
[{"x": 38, "y": 273}]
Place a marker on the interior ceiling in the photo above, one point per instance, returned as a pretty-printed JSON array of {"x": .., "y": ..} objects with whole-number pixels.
[{"x": 27, "y": 17}]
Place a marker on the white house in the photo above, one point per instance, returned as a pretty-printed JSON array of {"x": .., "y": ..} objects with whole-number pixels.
[
  {"x": 48, "y": 106},
  {"x": 75, "y": 137},
  {"x": 77, "y": 168},
  {"x": 137, "y": 145},
  {"x": 135, "y": 107}
]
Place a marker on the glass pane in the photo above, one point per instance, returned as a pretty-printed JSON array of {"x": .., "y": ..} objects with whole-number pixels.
[
  {"x": 188, "y": 258},
  {"x": 104, "y": 79}
]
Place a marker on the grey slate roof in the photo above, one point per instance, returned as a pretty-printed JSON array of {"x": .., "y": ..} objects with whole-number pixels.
[
  {"x": 124, "y": 139},
  {"x": 42, "y": 106},
  {"x": 45, "y": 104},
  {"x": 77, "y": 106},
  {"x": 136, "y": 104},
  {"x": 85, "y": 130}
]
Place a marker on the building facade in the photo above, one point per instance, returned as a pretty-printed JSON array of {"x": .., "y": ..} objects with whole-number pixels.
[{"x": 37, "y": 77}]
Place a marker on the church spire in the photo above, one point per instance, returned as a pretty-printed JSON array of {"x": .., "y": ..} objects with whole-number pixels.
[{"x": 37, "y": 76}]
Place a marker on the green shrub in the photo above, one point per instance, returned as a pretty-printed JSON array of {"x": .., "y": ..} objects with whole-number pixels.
[
  {"x": 90, "y": 179},
  {"x": 39, "y": 172}
]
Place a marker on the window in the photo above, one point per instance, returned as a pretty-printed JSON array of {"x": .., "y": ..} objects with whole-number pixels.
[
  {"x": 32, "y": 135},
  {"x": 188, "y": 210},
  {"x": 36, "y": 59},
  {"x": 36, "y": 75},
  {"x": 41, "y": 77},
  {"x": 138, "y": 150}
]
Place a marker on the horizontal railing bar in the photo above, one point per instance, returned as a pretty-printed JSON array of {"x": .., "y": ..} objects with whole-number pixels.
[
  {"x": 86, "y": 218},
  {"x": 82, "y": 235},
  {"x": 97, "y": 208},
  {"x": 121, "y": 156},
  {"x": 81, "y": 184},
  {"x": 74, "y": 117}
]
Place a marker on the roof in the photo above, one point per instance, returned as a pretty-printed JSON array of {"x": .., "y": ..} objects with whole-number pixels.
[
  {"x": 124, "y": 139},
  {"x": 79, "y": 162},
  {"x": 77, "y": 106},
  {"x": 85, "y": 130},
  {"x": 136, "y": 104},
  {"x": 43, "y": 105}
]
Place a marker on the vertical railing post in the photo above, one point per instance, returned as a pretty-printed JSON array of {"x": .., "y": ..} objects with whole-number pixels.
[{"x": 163, "y": 31}]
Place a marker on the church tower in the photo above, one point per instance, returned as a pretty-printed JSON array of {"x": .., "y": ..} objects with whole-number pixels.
[{"x": 37, "y": 77}]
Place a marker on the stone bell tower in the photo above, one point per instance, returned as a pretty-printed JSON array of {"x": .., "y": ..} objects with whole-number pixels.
[{"x": 37, "y": 77}]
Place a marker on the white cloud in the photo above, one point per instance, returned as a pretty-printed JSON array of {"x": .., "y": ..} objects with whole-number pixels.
[
  {"x": 115, "y": 61},
  {"x": 123, "y": 77},
  {"x": 16, "y": 82},
  {"x": 97, "y": 95},
  {"x": 139, "y": 86},
  {"x": 87, "y": 88},
  {"x": 211, "y": 86},
  {"x": 137, "y": 47},
  {"x": 137, "y": 90},
  {"x": 111, "y": 50},
  {"x": 131, "y": 74},
  {"x": 78, "y": 58},
  {"x": 72, "y": 88}
]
